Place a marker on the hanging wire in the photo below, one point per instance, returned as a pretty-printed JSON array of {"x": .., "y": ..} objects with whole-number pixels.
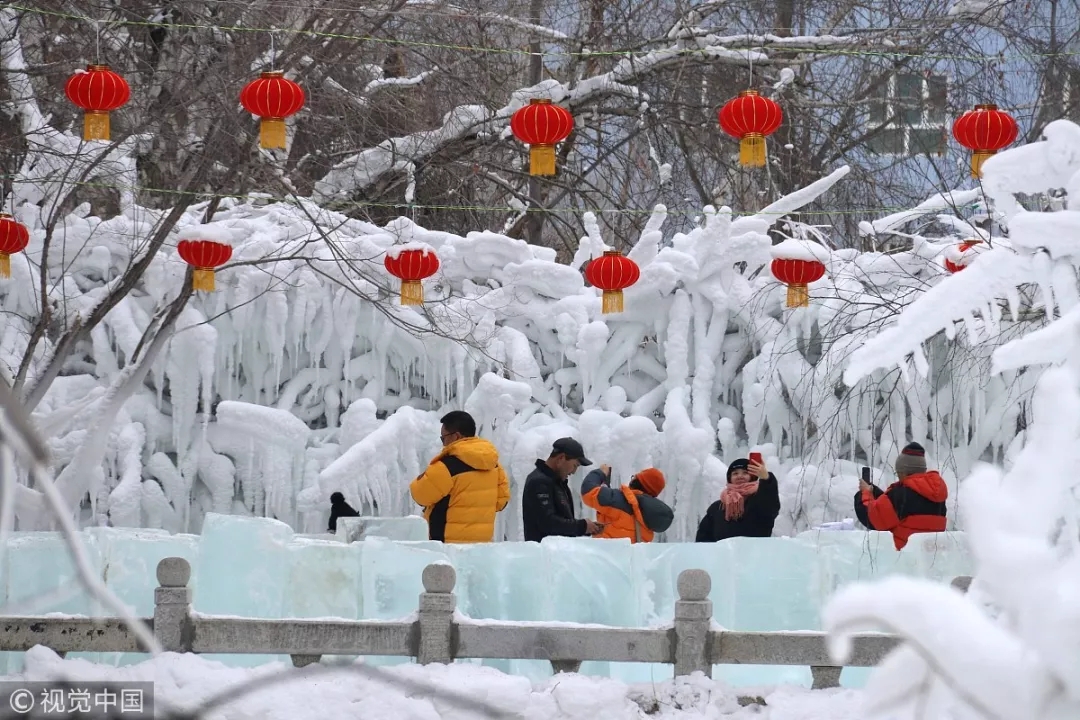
[
  {"x": 822, "y": 51},
  {"x": 97, "y": 42},
  {"x": 400, "y": 206},
  {"x": 411, "y": 10},
  {"x": 750, "y": 60}
]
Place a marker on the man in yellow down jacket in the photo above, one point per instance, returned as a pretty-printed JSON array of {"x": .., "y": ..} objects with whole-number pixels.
[{"x": 464, "y": 486}]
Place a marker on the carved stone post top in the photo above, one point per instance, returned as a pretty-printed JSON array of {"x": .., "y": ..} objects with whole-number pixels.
[
  {"x": 694, "y": 585},
  {"x": 439, "y": 578},
  {"x": 961, "y": 583},
  {"x": 173, "y": 572}
]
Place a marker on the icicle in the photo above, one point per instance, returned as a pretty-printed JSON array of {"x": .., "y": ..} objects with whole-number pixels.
[
  {"x": 972, "y": 329},
  {"x": 1012, "y": 296},
  {"x": 922, "y": 367}
]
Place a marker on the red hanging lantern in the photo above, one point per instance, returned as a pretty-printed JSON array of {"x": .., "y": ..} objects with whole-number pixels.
[
  {"x": 612, "y": 273},
  {"x": 955, "y": 267},
  {"x": 751, "y": 118},
  {"x": 797, "y": 274},
  {"x": 542, "y": 125},
  {"x": 204, "y": 256},
  {"x": 412, "y": 267},
  {"x": 272, "y": 97},
  {"x": 984, "y": 130},
  {"x": 14, "y": 237},
  {"x": 98, "y": 91}
]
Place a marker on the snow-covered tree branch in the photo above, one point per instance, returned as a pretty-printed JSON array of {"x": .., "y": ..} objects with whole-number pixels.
[
  {"x": 305, "y": 338},
  {"x": 1008, "y": 650}
]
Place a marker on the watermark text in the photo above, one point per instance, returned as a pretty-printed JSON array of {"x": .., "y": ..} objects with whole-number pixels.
[{"x": 76, "y": 700}]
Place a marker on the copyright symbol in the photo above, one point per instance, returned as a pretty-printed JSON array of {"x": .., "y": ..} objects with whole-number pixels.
[{"x": 21, "y": 701}]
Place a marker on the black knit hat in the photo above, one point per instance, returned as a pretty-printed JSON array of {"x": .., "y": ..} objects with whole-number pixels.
[
  {"x": 740, "y": 464},
  {"x": 911, "y": 460}
]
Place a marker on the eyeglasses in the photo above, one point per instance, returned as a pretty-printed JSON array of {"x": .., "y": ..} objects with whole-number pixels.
[{"x": 444, "y": 436}]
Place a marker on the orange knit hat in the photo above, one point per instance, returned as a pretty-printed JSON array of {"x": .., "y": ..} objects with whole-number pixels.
[{"x": 651, "y": 481}]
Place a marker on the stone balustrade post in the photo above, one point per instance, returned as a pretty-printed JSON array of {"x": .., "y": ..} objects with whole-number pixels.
[
  {"x": 961, "y": 583},
  {"x": 825, "y": 676},
  {"x": 436, "y": 615},
  {"x": 693, "y": 622},
  {"x": 172, "y": 605},
  {"x": 565, "y": 666}
]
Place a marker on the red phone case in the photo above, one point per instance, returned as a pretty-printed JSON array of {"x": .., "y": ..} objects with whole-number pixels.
[{"x": 755, "y": 458}]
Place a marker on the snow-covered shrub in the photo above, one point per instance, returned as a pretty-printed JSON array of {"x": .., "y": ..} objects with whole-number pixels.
[
  {"x": 302, "y": 375},
  {"x": 704, "y": 364},
  {"x": 1010, "y": 648}
]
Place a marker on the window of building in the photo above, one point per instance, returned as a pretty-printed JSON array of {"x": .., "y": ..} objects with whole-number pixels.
[{"x": 909, "y": 116}]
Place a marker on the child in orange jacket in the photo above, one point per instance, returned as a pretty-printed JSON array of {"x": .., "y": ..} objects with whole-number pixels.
[{"x": 633, "y": 511}]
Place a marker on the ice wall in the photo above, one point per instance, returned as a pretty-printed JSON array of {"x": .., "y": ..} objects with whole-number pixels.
[{"x": 256, "y": 567}]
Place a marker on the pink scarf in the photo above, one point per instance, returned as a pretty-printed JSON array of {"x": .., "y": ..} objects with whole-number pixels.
[{"x": 734, "y": 498}]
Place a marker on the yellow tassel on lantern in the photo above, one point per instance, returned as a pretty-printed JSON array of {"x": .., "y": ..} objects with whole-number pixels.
[
  {"x": 5, "y": 265},
  {"x": 272, "y": 133},
  {"x": 541, "y": 159},
  {"x": 96, "y": 125},
  {"x": 613, "y": 302},
  {"x": 203, "y": 280},
  {"x": 798, "y": 296},
  {"x": 977, "y": 159},
  {"x": 412, "y": 292},
  {"x": 752, "y": 150}
]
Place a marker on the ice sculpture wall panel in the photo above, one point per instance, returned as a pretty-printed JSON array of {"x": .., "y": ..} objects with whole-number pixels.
[{"x": 257, "y": 567}]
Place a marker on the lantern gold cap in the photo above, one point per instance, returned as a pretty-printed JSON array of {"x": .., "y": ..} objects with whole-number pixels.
[
  {"x": 96, "y": 67},
  {"x": 272, "y": 73},
  {"x": 609, "y": 253},
  {"x": 540, "y": 101},
  {"x": 6, "y": 216},
  {"x": 986, "y": 106},
  {"x": 748, "y": 93}
]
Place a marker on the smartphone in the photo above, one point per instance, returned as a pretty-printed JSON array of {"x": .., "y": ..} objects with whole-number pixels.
[
  {"x": 755, "y": 457},
  {"x": 866, "y": 475}
]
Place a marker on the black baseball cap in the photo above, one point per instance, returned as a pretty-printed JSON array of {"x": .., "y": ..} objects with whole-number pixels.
[{"x": 572, "y": 449}]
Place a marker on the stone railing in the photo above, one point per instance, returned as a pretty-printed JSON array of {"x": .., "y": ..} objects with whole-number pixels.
[{"x": 439, "y": 635}]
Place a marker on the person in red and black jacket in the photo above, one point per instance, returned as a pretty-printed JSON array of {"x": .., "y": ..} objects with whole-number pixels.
[{"x": 915, "y": 504}]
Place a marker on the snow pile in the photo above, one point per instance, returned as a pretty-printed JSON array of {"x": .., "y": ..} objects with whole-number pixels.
[
  {"x": 416, "y": 692},
  {"x": 1010, "y": 649}
]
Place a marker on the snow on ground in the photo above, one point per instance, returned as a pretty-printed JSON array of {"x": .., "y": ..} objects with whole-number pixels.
[{"x": 417, "y": 692}]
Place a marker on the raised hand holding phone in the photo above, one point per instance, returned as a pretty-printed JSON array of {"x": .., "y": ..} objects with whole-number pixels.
[
  {"x": 757, "y": 465},
  {"x": 864, "y": 481}
]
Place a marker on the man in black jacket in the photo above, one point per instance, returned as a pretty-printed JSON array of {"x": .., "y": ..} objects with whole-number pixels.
[{"x": 547, "y": 507}]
